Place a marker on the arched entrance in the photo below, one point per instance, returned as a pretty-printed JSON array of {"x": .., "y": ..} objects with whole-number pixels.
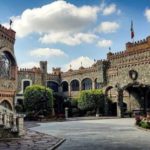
[
  {"x": 86, "y": 84},
  {"x": 139, "y": 97},
  {"x": 64, "y": 85},
  {"x": 53, "y": 85},
  {"x": 74, "y": 85}
]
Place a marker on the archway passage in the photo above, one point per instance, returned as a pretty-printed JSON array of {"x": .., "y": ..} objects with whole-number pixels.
[
  {"x": 53, "y": 85},
  {"x": 64, "y": 85},
  {"x": 86, "y": 84},
  {"x": 141, "y": 94},
  {"x": 74, "y": 85},
  {"x": 6, "y": 104}
]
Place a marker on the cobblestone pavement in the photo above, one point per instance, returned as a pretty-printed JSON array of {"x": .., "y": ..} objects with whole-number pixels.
[{"x": 31, "y": 141}]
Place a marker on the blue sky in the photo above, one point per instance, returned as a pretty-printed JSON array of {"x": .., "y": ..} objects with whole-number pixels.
[{"x": 73, "y": 31}]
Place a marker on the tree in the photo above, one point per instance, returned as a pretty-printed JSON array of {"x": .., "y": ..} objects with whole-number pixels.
[
  {"x": 38, "y": 99},
  {"x": 91, "y": 100}
]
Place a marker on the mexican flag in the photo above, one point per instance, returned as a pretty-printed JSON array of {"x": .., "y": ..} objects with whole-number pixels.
[{"x": 132, "y": 31}]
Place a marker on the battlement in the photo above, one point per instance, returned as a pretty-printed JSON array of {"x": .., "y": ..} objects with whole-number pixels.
[
  {"x": 131, "y": 49},
  {"x": 56, "y": 71},
  {"x": 142, "y": 44},
  {"x": 30, "y": 70},
  {"x": 7, "y": 34}
]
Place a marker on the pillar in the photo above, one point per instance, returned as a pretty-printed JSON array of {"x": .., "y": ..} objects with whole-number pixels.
[
  {"x": 120, "y": 111},
  {"x": 93, "y": 84},
  {"x": 106, "y": 105},
  {"x": 80, "y": 86},
  {"x": 69, "y": 90},
  {"x": 21, "y": 126},
  {"x": 1, "y": 119}
]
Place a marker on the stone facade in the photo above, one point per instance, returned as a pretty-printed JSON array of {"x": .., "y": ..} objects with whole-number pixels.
[
  {"x": 8, "y": 67},
  {"x": 122, "y": 76}
]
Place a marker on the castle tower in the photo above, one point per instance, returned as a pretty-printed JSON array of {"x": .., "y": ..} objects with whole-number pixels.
[
  {"x": 43, "y": 67},
  {"x": 8, "y": 67}
]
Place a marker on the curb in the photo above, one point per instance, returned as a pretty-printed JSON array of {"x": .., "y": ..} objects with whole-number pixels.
[
  {"x": 140, "y": 128},
  {"x": 58, "y": 144}
]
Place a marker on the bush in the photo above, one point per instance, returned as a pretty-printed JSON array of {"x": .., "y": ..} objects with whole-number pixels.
[
  {"x": 91, "y": 100},
  {"x": 19, "y": 108},
  {"x": 145, "y": 124},
  {"x": 38, "y": 99}
]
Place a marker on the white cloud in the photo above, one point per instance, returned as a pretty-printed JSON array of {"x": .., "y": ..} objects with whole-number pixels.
[
  {"x": 29, "y": 65},
  {"x": 47, "y": 52},
  {"x": 104, "y": 43},
  {"x": 107, "y": 27},
  {"x": 76, "y": 63},
  {"x": 68, "y": 39},
  {"x": 60, "y": 16},
  {"x": 109, "y": 9},
  {"x": 147, "y": 14}
]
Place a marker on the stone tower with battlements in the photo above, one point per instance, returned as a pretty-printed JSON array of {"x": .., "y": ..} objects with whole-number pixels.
[{"x": 8, "y": 67}]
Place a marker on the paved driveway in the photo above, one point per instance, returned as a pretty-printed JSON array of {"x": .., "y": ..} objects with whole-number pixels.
[{"x": 105, "y": 134}]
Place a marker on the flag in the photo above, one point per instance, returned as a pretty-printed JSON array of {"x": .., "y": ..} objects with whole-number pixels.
[
  {"x": 132, "y": 31},
  {"x": 10, "y": 22}
]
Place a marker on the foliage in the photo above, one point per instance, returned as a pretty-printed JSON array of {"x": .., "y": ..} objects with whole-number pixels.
[
  {"x": 143, "y": 121},
  {"x": 38, "y": 98},
  {"x": 74, "y": 102},
  {"x": 91, "y": 99},
  {"x": 19, "y": 108}
]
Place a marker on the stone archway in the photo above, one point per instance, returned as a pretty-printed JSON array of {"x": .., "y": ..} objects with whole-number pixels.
[
  {"x": 6, "y": 104},
  {"x": 139, "y": 97},
  {"x": 75, "y": 85},
  {"x": 53, "y": 85},
  {"x": 64, "y": 85},
  {"x": 86, "y": 84}
]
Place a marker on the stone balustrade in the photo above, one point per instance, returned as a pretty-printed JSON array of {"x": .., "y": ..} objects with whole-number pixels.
[{"x": 10, "y": 123}]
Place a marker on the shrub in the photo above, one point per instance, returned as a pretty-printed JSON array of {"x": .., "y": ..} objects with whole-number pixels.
[
  {"x": 91, "y": 100},
  {"x": 19, "y": 108},
  {"x": 38, "y": 98}
]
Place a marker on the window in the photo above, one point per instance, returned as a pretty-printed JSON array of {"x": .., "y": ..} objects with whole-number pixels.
[{"x": 5, "y": 66}]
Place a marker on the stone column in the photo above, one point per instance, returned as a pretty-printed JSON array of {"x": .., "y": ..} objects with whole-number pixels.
[
  {"x": 80, "y": 86},
  {"x": 1, "y": 119},
  {"x": 106, "y": 105},
  {"x": 93, "y": 85},
  {"x": 14, "y": 129},
  {"x": 66, "y": 112},
  {"x": 21, "y": 126},
  {"x": 120, "y": 111},
  {"x": 69, "y": 90}
]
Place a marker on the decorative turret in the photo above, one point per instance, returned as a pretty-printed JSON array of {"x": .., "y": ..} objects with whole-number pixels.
[
  {"x": 43, "y": 67},
  {"x": 7, "y": 37},
  {"x": 56, "y": 71}
]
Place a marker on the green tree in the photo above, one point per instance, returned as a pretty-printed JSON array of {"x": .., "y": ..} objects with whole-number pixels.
[
  {"x": 38, "y": 98},
  {"x": 91, "y": 100}
]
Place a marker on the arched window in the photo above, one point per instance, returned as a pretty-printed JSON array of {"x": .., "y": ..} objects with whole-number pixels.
[
  {"x": 64, "y": 86},
  {"x": 25, "y": 84},
  {"x": 6, "y": 104},
  {"x": 86, "y": 84},
  {"x": 5, "y": 65},
  {"x": 74, "y": 85},
  {"x": 53, "y": 85}
]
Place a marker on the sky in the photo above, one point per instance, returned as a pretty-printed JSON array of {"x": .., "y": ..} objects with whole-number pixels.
[{"x": 73, "y": 32}]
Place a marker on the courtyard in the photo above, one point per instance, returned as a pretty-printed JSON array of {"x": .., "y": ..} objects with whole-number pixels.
[{"x": 110, "y": 134}]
